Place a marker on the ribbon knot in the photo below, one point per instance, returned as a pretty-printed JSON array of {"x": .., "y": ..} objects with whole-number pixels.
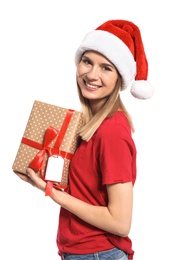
[
  {"x": 37, "y": 163},
  {"x": 44, "y": 149}
]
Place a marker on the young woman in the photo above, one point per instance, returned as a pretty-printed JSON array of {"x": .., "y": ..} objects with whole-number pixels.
[{"x": 96, "y": 209}]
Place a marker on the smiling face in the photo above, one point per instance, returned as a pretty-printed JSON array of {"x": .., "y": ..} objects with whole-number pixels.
[{"x": 96, "y": 77}]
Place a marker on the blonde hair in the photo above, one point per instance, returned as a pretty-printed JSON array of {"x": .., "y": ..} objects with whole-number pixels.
[{"x": 92, "y": 122}]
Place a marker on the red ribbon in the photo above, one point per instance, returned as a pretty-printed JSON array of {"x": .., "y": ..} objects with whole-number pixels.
[
  {"x": 50, "y": 134},
  {"x": 37, "y": 163}
]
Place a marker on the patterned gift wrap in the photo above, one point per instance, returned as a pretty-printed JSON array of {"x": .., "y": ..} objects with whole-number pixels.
[{"x": 51, "y": 130}]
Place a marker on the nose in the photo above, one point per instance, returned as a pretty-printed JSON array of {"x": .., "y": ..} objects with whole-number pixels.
[{"x": 93, "y": 73}]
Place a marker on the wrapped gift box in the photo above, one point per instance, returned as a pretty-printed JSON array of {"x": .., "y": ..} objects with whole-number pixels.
[{"x": 50, "y": 131}]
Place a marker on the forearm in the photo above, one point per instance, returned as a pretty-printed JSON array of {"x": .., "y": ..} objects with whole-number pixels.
[
  {"x": 98, "y": 216},
  {"x": 114, "y": 218}
]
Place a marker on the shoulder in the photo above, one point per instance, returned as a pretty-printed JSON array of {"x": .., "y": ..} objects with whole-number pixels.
[{"x": 117, "y": 124}]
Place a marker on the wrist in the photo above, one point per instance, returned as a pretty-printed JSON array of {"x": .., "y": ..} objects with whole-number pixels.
[{"x": 57, "y": 195}]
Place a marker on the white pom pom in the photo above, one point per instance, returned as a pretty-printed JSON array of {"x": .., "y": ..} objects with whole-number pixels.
[{"x": 142, "y": 89}]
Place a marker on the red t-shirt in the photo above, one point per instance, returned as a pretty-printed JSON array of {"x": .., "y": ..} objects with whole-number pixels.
[{"x": 108, "y": 157}]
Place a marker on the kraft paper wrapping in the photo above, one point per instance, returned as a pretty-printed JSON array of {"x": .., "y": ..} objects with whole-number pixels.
[{"x": 43, "y": 116}]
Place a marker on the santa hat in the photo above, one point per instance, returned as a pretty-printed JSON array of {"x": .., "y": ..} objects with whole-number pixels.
[{"x": 120, "y": 41}]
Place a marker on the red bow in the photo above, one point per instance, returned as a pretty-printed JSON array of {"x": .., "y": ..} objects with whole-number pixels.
[
  {"x": 37, "y": 163},
  {"x": 50, "y": 134}
]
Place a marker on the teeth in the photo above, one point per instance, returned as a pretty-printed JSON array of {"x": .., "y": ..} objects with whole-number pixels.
[{"x": 91, "y": 86}]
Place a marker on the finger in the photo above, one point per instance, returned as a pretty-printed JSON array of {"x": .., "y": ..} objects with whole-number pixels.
[
  {"x": 36, "y": 179},
  {"x": 30, "y": 173},
  {"x": 22, "y": 176},
  {"x": 25, "y": 178}
]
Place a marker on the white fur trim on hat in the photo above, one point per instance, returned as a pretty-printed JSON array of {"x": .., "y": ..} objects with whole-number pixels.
[{"x": 113, "y": 49}]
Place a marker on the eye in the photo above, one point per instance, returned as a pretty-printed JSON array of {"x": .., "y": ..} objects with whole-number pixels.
[
  {"x": 107, "y": 68},
  {"x": 86, "y": 61}
]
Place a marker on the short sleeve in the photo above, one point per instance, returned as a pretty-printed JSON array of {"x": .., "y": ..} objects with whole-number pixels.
[{"x": 117, "y": 155}]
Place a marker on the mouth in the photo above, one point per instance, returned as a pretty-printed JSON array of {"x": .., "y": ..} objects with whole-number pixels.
[{"x": 91, "y": 87}]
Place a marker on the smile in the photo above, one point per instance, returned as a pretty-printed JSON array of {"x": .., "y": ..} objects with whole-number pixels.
[{"x": 92, "y": 86}]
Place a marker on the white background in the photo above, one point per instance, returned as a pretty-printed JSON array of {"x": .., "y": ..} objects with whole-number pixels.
[{"x": 38, "y": 39}]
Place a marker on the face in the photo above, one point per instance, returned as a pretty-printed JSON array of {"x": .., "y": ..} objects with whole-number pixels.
[{"x": 96, "y": 77}]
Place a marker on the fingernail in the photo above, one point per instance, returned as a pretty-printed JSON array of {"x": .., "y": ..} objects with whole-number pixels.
[{"x": 28, "y": 174}]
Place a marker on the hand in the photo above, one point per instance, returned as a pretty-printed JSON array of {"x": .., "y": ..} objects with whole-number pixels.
[{"x": 33, "y": 178}]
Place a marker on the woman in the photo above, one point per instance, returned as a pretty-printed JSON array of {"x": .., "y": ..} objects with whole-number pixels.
[{"x": 96, "y": 209}]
